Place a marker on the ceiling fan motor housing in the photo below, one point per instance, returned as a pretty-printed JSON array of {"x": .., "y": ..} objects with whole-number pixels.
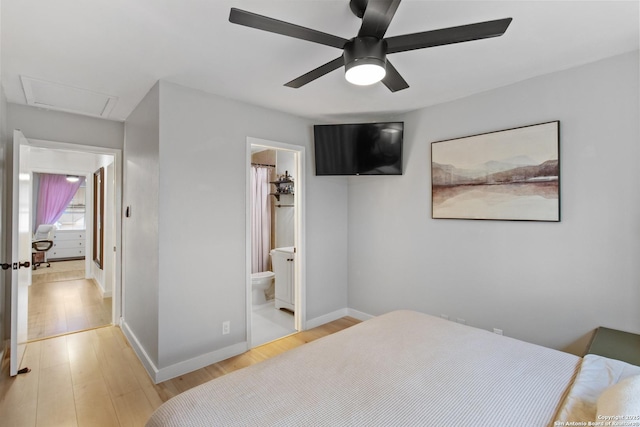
[
  {"x": 358, "y": 7},
  {"x": 365, "y": 50}
]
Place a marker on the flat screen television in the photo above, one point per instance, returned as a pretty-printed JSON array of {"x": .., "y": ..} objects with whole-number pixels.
[{"x": 359, "y": 148}]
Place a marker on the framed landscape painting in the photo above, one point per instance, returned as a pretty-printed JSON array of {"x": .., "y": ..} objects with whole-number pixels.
[{"x": 512, "y": 174}]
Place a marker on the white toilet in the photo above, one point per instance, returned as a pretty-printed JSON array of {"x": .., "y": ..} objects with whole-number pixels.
[{"x": 260, "y": 282}]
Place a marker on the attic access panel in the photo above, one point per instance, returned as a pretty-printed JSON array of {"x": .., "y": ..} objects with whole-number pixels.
[{"x": 56, "y": 96}]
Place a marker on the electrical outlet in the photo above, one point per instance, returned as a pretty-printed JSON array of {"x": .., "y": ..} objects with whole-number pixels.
[
  {"x": 461, "y": 321},
  {"x": 226, "y": 327},
  {"x": 497, "y": 331},
  {"x": 444, "y": 316}
]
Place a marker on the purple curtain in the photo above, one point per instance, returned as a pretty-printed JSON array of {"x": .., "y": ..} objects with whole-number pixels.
[
  {"x": 54, "y": 197},
  {"x": 260, "y": 218}
]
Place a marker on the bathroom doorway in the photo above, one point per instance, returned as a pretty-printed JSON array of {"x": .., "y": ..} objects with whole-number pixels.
[{"x": 275, "y": 240}]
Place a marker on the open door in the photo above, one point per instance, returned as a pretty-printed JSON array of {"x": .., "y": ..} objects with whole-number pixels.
[{"x": 20, "y": 254}]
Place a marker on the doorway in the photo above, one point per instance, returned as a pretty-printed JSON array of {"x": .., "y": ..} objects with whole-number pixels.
[
  {"x": 275, "y": 260},
  {"x": 74, "y": 293}
]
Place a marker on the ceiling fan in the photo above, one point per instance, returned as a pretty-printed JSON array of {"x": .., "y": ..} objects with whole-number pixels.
[{"x": 365, "y": 56}]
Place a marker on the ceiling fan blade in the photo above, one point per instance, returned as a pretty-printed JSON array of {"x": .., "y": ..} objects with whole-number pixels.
[
  {"x": 318, "y": 72},
  {"x": 393, "y": 80},
  {"x": 444, "y": 36},
  {"x": 377, "y": 17},
  {"x": 253, "y": 20}
]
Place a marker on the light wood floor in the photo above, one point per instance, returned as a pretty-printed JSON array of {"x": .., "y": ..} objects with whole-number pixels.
[
  {"x": 94, "y": 378},
  {"x": 66, "y": 306},
  {"x": 59, "y": 270}
]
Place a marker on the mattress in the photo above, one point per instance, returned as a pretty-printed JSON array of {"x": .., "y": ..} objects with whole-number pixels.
[{"x": 402, "y": 368}]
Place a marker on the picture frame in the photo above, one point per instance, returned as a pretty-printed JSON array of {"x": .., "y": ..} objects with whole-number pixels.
[
  {"x": 98, "y": 217},
  {"x": 509, "y": 175}
]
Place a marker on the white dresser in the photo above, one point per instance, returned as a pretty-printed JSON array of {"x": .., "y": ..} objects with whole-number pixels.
[{"x": 68, "y": 244}]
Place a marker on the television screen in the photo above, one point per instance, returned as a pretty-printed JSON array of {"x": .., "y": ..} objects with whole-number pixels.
[{"x": 359, "y": 149}]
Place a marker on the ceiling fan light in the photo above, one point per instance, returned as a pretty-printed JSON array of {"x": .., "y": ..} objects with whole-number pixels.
[
  {"x": 365, "y": 74},
  {"x": 364, "y": 60}
]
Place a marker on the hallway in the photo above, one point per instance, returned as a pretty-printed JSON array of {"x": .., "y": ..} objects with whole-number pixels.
[{"x": 62, "y": 306}]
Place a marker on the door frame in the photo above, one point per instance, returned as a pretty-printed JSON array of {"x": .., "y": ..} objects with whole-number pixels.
[
  {"x": 117, "y": 294},
  {"x": 20, "y": 253},
  {"x": 299, "y": 233}
]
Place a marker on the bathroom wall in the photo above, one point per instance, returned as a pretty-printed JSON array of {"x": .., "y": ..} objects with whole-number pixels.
[
  {"x": 285, "y": 225},
  {"x": 264, "y": 157}
]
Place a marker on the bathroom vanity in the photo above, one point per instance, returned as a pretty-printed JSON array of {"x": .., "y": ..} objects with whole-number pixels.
[{"x": 283, "y": 260}]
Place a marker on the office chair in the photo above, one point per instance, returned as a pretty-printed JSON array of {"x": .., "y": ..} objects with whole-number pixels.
[{"x": 41, "y": 243}]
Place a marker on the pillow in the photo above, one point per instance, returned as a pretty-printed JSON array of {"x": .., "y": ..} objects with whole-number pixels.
[{"x": 621, "y": 400}]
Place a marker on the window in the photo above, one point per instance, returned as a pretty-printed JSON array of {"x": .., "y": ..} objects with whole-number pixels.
[{"x": 73, "y": 216}]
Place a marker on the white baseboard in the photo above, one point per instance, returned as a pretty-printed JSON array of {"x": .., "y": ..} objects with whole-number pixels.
[
  {"x": 326, "y": 318},
  {"x": 180, "y": 368},
  {"x": 359, "y": 314},
  {"x": 146, "y": 361},
  {"x": 103, "y": 293},
  {"x": 201, "y": 361},
  {"x": 335, "y": 315}
]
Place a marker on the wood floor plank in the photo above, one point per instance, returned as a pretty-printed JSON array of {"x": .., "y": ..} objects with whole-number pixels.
[
  {"x": 56, "y": 404},
  {"x": 240, "y": 361},
  {"x": 54, "y": 352},
  {"x": 133, "y": 409},
  {"x": 215, "y": 370},
  {"x": 193, "y": 379},
  {"x": 58, "y": 307},
  {"x": 94, "y": 406},
  {"x": 18, "y": 395},
  {"x": 83, "y": 362},
  {"x": 147, "y": 386},
  {"x": 115, "y": 369}
]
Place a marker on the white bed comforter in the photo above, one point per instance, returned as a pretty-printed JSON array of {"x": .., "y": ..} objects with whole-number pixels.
[
  {"x": 400, "y": 369},
  {"x": 596, "y": 374}
]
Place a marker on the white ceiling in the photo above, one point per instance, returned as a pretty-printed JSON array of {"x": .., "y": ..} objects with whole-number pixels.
[{"x": 120, "y": 48}]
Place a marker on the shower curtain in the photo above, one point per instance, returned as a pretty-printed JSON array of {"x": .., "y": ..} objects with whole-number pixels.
[{"x": 260, "y": 218}]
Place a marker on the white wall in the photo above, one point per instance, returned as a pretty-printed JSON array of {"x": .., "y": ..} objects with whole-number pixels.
[
  {"x": 285, "y": 216},
  {"x": 547, "y": 283},
  {"x": 37, "y": 123},
  {"x": 176, "y": 302},
  {"x": 140, "y": 267}
]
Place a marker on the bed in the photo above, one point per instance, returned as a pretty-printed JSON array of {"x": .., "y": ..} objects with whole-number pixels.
[{"x": 404, "y": 368}]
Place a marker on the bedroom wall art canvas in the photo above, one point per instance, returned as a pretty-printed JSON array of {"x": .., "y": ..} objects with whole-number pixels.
[{"x": 512, "y": 174}]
